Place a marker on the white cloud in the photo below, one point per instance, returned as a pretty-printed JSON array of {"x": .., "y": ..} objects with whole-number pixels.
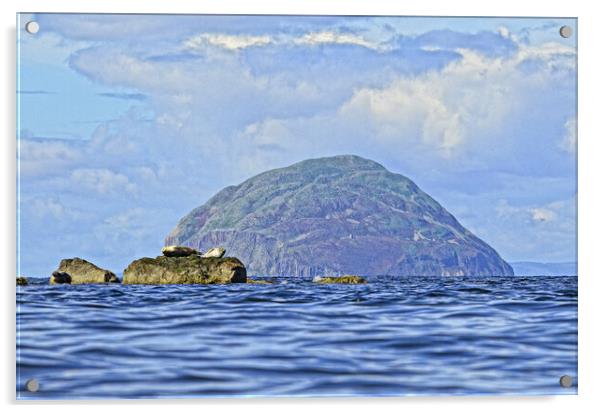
[
  {"x": 471, "y": 98},
  {"x": 134, "y": 232},
  {"x": 118, "y": 68},
  {"x": 103, "y": 181},
  {"x": 507, "y": 34},
  {"x": 408, "y": 109},
  {"x": 44, "y": 157},
  {"x": 127, "y": 220},
  {"x": 569, "y": 140},
  {"x": 51, "y": 208},
  {"x": 268, "y": 132},
  {"x": 503, "y": 31},
  {"x": 542, "y": 215},
  {"x": 442, "y": 111},
  {"x": 534, "y": 214},
  {"x": 204, "y": 105},
  {"x": 226, "y": 41},
  {"x": 106, "y": 140},
  {"x": 326, "y": 37},
  {"x": 527, "y": 231},
  {"x": 146, "y": 173},
  {"x": 42, "y": 208},
  {"x": 556, "y": 56},
  {"x": 239, "y": 42}
]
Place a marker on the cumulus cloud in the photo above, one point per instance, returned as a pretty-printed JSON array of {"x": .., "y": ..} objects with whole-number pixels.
[
  {"x": 103, "y": 181},
  {"x": 233, "y": 42},
  {"x": 569, "y": 139},
  {"x": 489, "y": 43},
  {"x": 131, "y": 223},
  {"x": 542, "y": 215},
  {"x": 331, "y": 37},
  {"x": 471, "y": 98},
  {"x": 50, "y": 207},
  {"x": 131, "y": 232},
  {"x": 409, "y": 109},
  {"x": 39, "y": 157},
  {"x": 553, "y": 55},
  {"x": 113, "y": 67},
  {"x": 226, "y": 41},
  {"x": 503, "y": 31},
  {"x": 528, "y": 214},
  {"x": 552, "y": 211}
]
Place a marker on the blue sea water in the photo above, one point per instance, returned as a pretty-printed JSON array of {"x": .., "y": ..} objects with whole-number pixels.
[{"x": 391, "y": 337}]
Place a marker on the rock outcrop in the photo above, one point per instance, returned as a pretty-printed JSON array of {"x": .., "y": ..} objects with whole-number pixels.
[
  {"x": 22, "y": 281},
  {"x": 79, "y": 271},
  {"x": 192, "y": 269},
  {"x": 338, "y": 215},
  {"x": 344, "y": 279}
]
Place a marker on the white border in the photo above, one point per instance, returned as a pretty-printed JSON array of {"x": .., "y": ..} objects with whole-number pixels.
[{"x": 590, "y": 153}]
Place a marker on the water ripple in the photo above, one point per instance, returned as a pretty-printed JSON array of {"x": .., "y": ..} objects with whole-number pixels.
[{"x": 393, "y": 336}]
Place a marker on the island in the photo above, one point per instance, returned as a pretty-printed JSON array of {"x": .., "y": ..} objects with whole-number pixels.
[{"x": 333, "y": 216}]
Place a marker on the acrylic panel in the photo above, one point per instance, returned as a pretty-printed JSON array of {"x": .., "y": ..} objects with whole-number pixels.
[{"x": 248, "y": 205}]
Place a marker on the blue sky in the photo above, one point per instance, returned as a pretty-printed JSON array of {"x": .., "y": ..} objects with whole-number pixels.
[{"x": 127, "y": 122}]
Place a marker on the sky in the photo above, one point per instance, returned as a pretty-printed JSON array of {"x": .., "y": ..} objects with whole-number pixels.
[{"x": 128, "y": 122}]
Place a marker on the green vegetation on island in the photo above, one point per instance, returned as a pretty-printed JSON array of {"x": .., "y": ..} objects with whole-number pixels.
[{"x": 337, "y": 215}]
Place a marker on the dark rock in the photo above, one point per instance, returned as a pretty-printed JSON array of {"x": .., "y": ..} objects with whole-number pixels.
[
  {"x": 60, "y": 278},
  {"x": 22, "y": 281},
  {"x": 344, "y": 279},
  {"x": 337, "y": 215},
  {"x": 192, "y": 269},
  {"x": 79, "y": 271}
]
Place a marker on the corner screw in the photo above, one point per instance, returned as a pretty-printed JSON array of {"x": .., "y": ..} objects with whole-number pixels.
[
  {"x": 32, "y": 385},
  {"x": 566, "y": 31},
  {"x": 566, "y": 381}
]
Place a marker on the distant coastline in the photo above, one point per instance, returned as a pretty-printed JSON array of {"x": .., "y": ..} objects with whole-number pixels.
[{"x": 531, "y": 268}]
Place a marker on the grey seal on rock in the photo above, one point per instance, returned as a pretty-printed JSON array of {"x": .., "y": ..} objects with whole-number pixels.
[{"x": 217, "y": 252}]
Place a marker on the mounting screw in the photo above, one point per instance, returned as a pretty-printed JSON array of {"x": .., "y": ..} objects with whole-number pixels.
[
  {"x": 32, "y": 385},
  {"x": 566, "y": 31},
  {"x": 566, "y": 381},
  {"x": 32, "y": 27}
]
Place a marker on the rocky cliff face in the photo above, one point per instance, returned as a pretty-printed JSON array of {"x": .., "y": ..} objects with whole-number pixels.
[{"x": 331, "y": 216}]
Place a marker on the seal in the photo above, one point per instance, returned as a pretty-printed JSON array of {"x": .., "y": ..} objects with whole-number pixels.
[
  {"x": 217, "y": 252},
  {"x": 178, "y": 251}
]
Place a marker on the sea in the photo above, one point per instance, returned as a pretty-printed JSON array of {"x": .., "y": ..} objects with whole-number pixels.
[{"x": 395, "y": 336}]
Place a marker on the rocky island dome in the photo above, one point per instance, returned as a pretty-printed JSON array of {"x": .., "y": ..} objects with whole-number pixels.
[{"x": 337, "y": 215}]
